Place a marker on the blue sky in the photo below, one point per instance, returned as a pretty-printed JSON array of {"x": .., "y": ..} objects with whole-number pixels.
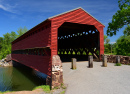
[{"x": 20, "y": 13}]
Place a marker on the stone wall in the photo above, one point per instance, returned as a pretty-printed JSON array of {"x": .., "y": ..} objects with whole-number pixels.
[{"x": 123, "y": 59}]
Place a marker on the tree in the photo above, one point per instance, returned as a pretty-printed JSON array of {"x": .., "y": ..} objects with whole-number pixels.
[
  {"x": 13, "y": 36},
  {"x": 123, "y": 45},
  {"x": 21, "y": 31},
  {"x": 127, "y": 30},
  {"x": 120, "y": 19},
  {"x": 106, "y": 44},
  {"x": 107, "y": 41},
  {"x": 5, "y": 41},
  {"x": 105, "y": 37},
  {"x": 1, "y": 41}
]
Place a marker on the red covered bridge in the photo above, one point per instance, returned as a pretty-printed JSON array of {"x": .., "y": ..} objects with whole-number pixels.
[{"x": 75, "y": 33}]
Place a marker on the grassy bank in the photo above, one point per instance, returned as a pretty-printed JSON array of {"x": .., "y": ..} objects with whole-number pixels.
[{"x": 45, "y": 89}]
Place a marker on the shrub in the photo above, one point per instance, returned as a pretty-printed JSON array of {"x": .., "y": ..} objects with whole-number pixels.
[{"x": 118, "y": 64}]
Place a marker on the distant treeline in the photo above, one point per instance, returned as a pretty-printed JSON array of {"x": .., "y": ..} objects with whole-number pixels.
[
  {"x": 122, "y": 45},
  {"x": 5, "y": 41}
]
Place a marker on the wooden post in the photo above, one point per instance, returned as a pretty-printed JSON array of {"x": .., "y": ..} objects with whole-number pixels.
[
  {"x": 117, "y": 59},
  {"x": 73, "y": 65},
  {"x": 104, "y": 64},
  {"x": 90, "y": 61}
]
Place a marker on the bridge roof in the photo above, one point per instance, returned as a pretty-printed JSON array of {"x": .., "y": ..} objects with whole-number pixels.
[
  {"x": 74, "y": 10},
  {"x": 50, "y": 18}
]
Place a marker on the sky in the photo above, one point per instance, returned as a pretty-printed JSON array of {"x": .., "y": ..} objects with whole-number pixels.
[{"x": 19, "y": 13}]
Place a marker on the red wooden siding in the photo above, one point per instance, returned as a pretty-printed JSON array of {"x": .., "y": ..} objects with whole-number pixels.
[
  {"x": 39, "y": 63},
  {"x": 38, "y": 37},
  {"x": 34, "y": 39},
  {"x": 76, "y": 16}
]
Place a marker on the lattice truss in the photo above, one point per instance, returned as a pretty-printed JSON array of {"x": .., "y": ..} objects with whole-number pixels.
[
  {"x": 34, "y": 51},
  {"x": 80, "y": 43}
]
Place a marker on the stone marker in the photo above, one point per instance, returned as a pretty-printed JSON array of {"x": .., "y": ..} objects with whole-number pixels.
[
  {"x": 117, "y": 59},
  {"x": 90, "y": 61},
  {"x": 104, "y": 64},
  {"x": 73, "y": 65}
]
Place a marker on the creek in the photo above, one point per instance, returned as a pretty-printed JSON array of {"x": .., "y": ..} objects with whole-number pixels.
[{"x": 20, "y": 78}]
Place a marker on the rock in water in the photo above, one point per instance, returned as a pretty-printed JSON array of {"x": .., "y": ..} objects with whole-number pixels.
[
  {"x": 8, "y": 58},
  {"x": 7, "y": 61}
]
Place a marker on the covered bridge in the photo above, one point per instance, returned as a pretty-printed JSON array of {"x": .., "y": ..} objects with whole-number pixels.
[{"x": 74, "y": 33}]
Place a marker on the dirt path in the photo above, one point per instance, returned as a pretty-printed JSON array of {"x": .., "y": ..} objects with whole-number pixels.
[{"x": 37, "y": 91}]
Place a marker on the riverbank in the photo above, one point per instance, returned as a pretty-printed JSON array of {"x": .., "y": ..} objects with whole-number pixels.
[
  {"x": 40, "y": 90},
  {"x": 6, "y": 61}
]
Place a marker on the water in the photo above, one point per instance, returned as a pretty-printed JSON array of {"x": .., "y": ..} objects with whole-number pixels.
[{"x": 20, "y": 78}]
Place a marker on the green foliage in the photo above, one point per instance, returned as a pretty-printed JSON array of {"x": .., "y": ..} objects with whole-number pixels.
[
  {"x": 90, "y": 53},
  {"x": 45, "y": 88},
  {"x": 105, "y": 37},
  {"x": 107, "y": 45},
  {"x": 1, "y": 41},
  {"x": 107, "y": 48},
  {"x": 118, "y": 64},
  {"x": 107, "y": 41},
  {"x": 121, "y": 17},
  {"x": 127, "y": 30},
  {"x": 5, "y": 41},
  {"x": 21, "y": 31},
  {"x": 123, "y": 45}
]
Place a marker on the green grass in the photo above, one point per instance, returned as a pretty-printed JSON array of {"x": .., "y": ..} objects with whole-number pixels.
[
  {"x": 5, "y": 92},
  {"x": 63, "y": 86},
  {"x": 110, "y": 53},
  {"x": 73, "y": 68},
  {"x": 118, "y": 64},
  {"x": 63, "y": 92},
  {"x": 45, "y": 88}
]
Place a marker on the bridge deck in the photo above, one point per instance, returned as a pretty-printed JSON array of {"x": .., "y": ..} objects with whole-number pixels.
[{"x": 97, "y": 80}]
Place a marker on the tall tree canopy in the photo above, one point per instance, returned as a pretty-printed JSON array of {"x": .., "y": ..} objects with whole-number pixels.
[
  {"x": 107, "y": 45},
  {"x": 123, "y": 43},
  {"x": 21, "y": 31},
  {"x": 123, "y": 46},
  {"x": 127, "y": 30},
  {"x": 5, "y": 41},
  {"x": 121, "y": 18}
]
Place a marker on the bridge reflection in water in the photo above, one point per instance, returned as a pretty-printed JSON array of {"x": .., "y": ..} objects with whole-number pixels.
[{"x": 20, "y": 78}]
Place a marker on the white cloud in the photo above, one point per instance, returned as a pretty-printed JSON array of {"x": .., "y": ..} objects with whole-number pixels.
[
  {"x": 7, "y": 7},
  {"x": 112, "y": 42},
  {"x": 4, "y": 8}
]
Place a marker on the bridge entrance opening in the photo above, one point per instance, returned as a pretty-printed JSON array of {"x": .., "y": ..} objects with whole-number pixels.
[{"x": 78, "y": 41}]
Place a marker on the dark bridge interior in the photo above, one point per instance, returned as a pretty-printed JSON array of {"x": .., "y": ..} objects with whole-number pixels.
[{"x": 77, "y": 41}]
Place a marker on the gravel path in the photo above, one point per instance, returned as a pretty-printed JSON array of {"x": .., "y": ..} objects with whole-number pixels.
[{"x": 97, "y": 80}]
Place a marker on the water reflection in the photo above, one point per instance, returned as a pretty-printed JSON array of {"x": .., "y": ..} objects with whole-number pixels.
[
  {"x": 20, "y": 78},
  {"x": 5, "y": 78}
]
